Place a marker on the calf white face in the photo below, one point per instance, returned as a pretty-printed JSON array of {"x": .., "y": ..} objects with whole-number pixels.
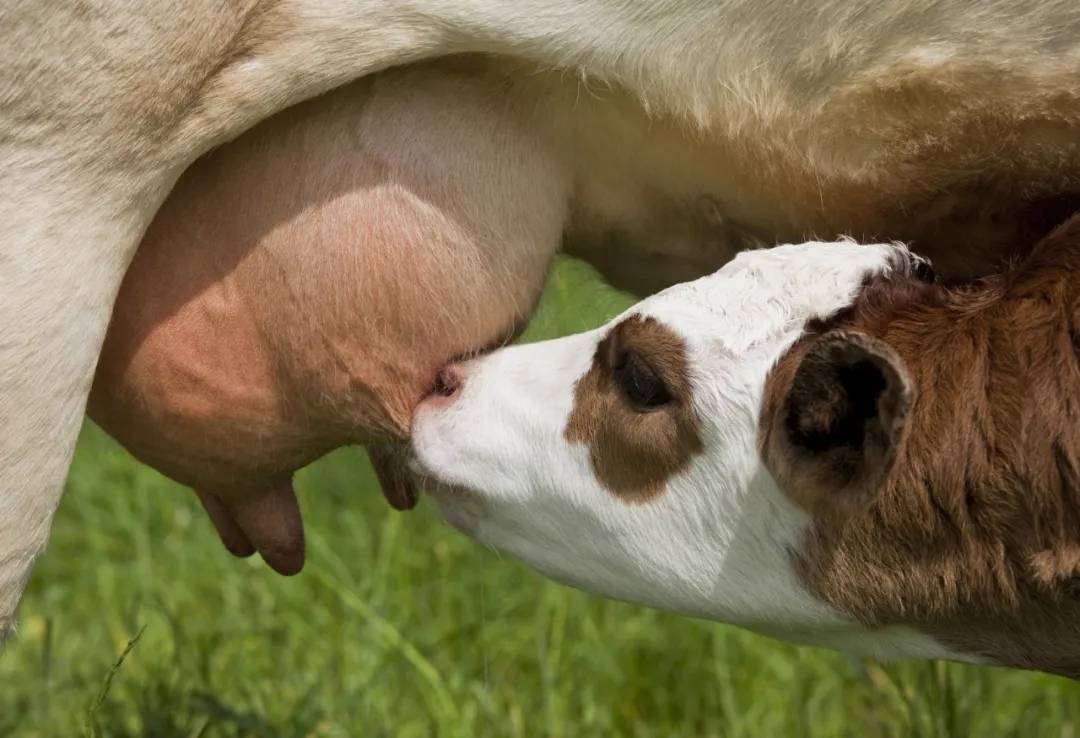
[{"x": 626, "y": 460}]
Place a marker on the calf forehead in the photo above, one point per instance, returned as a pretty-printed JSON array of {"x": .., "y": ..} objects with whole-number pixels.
[{"x": 769, "y": 290}]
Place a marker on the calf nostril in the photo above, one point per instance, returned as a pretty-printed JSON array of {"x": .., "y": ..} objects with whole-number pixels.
[{"x": 448, "y": 380}]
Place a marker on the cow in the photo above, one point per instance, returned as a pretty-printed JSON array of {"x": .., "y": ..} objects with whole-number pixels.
[{"x": 951, "y": 125}]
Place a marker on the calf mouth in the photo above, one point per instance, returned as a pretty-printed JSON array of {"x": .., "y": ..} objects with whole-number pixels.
[
  {"x": 461, "y": 507},
  {"x": 431, "y": 483}
]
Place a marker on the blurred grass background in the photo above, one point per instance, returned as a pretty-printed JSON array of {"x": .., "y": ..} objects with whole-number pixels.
[{"x": 399, "y": 626}]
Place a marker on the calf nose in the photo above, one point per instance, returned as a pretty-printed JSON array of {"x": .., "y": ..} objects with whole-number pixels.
[{"x": 449, "y": 380}]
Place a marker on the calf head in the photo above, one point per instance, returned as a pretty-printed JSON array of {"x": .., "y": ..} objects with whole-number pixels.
[
  {"x": 626, "y": 460},
  {"x": 817, "y": 442}
]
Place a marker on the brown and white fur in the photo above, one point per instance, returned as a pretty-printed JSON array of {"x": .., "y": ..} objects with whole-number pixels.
[
  {"x": 819, "y": 442},
  {"x": 899, "y": 120}
]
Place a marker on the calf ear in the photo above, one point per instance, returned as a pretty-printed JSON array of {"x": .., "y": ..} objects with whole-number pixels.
[{"x": 839, "y": 425}]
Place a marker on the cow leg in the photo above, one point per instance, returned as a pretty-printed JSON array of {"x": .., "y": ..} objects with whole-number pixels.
[{"x": 59, "y": 274}]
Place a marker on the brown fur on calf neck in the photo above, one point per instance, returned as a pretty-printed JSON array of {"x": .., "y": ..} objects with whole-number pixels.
[{"x": 974, "y": 534}]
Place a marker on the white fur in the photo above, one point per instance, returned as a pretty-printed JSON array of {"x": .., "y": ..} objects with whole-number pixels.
[
  {"x": 716, "y": 542},
  {"x": 102, "y": 106}
]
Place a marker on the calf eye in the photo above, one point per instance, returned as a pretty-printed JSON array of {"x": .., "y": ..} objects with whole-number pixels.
[{"x": 637, "y": 381}]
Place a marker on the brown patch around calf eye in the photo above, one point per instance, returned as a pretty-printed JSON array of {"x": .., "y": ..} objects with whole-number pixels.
[{"x": 633, "y": 410}]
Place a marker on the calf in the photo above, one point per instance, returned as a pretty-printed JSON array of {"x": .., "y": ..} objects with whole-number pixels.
[{"x": 819, "y": 442}]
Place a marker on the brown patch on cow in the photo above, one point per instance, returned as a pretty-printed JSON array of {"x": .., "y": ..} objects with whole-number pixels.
[
  {"x": 974, "y": 534},
  {"x": 634, "y": 450}
]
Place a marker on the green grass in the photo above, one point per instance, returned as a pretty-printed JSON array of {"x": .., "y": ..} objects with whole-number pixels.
[{"x": 399, "y": 626}]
